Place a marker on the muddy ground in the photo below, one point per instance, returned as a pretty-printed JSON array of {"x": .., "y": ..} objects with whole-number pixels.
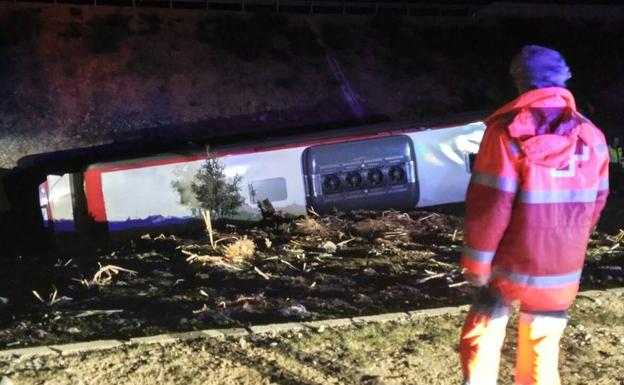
[
  {"x": 421, "y": 351},
  {"x": 278, "y": 270}
]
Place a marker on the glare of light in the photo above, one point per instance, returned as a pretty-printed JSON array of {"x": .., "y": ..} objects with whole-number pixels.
[
  {"x": 432, "y": 159},
  {"x": 447, "y": 150},
  {"x": 469, "y": 142},
  {"x": 60, "y": 193},
  {"x": 232, "y": 171},
  {"x": 422, "y": 151}
]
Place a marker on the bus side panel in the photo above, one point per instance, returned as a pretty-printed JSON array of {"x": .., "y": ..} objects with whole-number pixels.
[
  {"x": 60, "y": 203},
  {"x": 442, "y": 160},
  {"x": 146, "y": 196}
]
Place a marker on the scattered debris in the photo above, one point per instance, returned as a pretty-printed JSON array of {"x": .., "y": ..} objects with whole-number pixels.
[
  {"x": 204, "y": 309},
  {"x": 89, "y": 313},
  {"x": 430, "y": 277},
  {"x": 53, "y": 298},
  {"x": 38, "y": 296},
  {"x": 241, "y": 248},
  {"x": 209, "y": 260},
  {"x": 344, "y": 243},
  {"x": 105, "y": 274},
  {"x": 372, "y": 228},
  {"x": 427, "y": 217},
  {"x": 617, "y": 238},
  {"x": 304, "y": 268},
  {"x": 310, "y": 226},
  {"x": 312, "y": 212},
  {"x": 329, "y": 246},
  {"x": 208, "y": 222},
  {"x": 37, "y": 333},
  {"x": 261, "y": 273},
  {"x": 60, "y": 263},
  {"x": 289, "y": 264},
  {"x": 260, "y": 297},
  {"x": 443, "y": 264},
  {"x": 298, "y": 311},
  {"x": 266, "y": 209}
]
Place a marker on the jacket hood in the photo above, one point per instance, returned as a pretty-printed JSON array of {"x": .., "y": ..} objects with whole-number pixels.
[{"x": 546, "y": 125}]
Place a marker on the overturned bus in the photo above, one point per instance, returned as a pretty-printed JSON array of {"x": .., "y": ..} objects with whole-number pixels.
[{"x": 381, "y": 166}]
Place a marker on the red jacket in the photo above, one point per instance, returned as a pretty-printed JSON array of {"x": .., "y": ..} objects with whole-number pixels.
[{"x": 539, "y": 184}]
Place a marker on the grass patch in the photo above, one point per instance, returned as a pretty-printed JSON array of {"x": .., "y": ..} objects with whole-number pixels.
[{"x": 105, "y": 33}]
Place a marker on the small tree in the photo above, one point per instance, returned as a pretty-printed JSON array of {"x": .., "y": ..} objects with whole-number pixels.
[
  {"x": 213, "y": 193},
  {"x": 216, "y": 192}
]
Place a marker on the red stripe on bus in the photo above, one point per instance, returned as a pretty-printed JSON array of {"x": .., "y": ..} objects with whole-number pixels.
[{"x": 95, "y": 195}]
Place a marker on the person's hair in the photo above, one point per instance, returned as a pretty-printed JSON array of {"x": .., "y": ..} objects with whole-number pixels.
[{"x": 539, "y": 67}]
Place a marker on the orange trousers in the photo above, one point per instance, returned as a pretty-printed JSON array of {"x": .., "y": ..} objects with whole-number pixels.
[{"x": 482, "y": 338}]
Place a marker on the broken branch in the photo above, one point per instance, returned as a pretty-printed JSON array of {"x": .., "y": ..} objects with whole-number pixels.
[{"x": 261, "y": 273}]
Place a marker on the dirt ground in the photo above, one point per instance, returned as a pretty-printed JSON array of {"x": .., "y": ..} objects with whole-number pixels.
[
  {"x": 422, "y": 351},
  {"x": 283, "y": 269}
]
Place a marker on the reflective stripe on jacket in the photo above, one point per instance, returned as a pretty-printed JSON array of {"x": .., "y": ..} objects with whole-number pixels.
[{"x": 539, "y": 184}]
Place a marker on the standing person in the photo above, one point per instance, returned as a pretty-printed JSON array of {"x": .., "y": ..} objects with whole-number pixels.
[{"x": 539, "y": 184}]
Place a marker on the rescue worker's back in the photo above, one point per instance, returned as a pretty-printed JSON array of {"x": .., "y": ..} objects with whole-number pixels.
[{"x": 539, "y": 184}]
